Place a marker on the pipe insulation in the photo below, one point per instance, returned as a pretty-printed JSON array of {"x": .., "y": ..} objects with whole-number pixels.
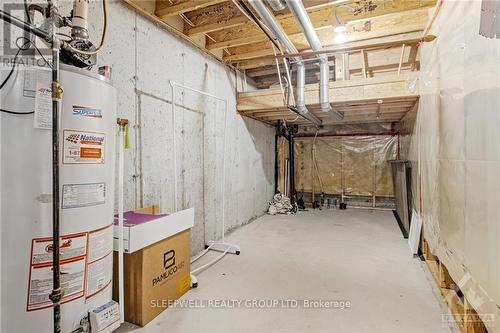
[
  {"x": 300, "y": 13},
  {"x": 278, "y": 32}
]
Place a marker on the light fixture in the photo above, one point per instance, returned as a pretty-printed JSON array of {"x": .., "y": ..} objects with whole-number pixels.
[
  {"x": 340, "y": 38},
  {"x": 340, "y": 28}
]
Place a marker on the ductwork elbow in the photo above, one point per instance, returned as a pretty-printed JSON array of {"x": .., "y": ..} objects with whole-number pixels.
[
  {"x": 278, "y": 32},
  {"x": 300, "y": 102},
  {"x": 324, "y": 73},
  {"x": 324, "y": 90},
  {"x": 336, "y": 114},
  {"x": 300, "y": 86},
  {"x": 300, "y": 13}
]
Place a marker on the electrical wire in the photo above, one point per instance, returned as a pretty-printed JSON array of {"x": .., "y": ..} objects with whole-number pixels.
[
  {"x": 15, "y": 112},
  {"x": 29, "y": 41},
  {"x": 19, "y": 49},
  {"x": 26, "y": 10},
  {"x": 279, "y": 75},
  {"x": 103, "y": 36},
  {"x": 250, "y": 15},
  {"x": 11, "y": 70},
  {"x": 22, "y": 47}
]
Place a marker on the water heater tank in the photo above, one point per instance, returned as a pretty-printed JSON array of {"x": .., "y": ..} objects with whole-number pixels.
[{"x": 87, "y": 163}]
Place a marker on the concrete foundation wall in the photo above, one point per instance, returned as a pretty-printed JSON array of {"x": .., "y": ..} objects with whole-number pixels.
[{"x": 144, "y": 59}]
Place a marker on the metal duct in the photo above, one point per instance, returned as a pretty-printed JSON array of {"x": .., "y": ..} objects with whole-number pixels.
[
  {"x": 273, "y": 25},
  {"x": 277, "y": 5},
  {"x": 300, "y": 13}
]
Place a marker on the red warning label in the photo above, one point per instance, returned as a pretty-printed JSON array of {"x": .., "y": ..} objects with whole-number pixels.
[{"x": 73, "y": 249}]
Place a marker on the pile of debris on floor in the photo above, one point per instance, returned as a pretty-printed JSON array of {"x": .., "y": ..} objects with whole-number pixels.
[{"x": 280, "y": 205}]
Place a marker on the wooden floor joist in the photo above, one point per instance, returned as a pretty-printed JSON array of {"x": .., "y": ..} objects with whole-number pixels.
[{"x": 357, "y": 99}]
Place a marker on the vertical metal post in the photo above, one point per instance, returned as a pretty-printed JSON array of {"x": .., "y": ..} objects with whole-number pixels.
[
  {"x": 276, "y": 160},
  {"x": 56, "y": 294},
  {"x": 291, "y": 155}
]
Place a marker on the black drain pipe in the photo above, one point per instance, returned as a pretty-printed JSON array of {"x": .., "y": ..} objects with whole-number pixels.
[
  {"x": 276, "y": 161},
  {"x": 292, "y": 130}
]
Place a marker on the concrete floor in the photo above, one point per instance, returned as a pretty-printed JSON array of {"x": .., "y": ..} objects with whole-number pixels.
[{"x": 354, "y": 255}]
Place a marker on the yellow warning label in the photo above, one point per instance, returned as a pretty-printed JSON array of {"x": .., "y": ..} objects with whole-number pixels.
[{"x": 184, "y": 283}]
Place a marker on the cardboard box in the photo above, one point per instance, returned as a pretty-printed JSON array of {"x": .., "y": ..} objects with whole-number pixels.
[
  {"x": 147, "y": 226},
  {"x": 153, "y": 276}
]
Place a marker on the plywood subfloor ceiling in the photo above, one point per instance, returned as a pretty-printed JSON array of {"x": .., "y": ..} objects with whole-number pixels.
[{"x": 378, "y": 31}]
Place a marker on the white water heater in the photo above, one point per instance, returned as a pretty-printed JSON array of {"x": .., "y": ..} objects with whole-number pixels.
[{"x": 87, "y": 163}]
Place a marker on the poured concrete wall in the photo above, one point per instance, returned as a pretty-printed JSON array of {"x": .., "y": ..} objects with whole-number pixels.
[{"x": 144, "y": 58}]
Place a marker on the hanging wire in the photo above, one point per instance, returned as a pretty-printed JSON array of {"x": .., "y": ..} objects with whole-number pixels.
[
  {"x": 279, "y": 74},
  {"x": 20, "y": 47}
]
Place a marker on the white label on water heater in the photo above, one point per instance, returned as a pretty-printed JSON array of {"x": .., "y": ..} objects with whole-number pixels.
[
  {"x": 100, "y": 243},
  {"x": 43, "y": 107},
  {"x": 83, "y": 195},
  {"x": 99, "y": 260},
  {"x": 83, "y": 147},
  {"x": 99, "y": 275}
]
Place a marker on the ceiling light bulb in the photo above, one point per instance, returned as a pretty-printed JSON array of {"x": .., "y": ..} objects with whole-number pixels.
[
  {"x": 340, "y": 38},
  {"x": 339, "y": 28}
]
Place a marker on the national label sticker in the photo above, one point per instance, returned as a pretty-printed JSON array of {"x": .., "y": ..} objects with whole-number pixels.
[{"x": 82, "y": 147}]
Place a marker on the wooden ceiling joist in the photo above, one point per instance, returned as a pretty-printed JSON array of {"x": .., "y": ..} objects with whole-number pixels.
[
  {"x": 374, "y": 43},
  {"x": 357, "y": 99},
  {"x": 216, "y": 26},
  {"x": 373, "y": 50},
  {"x": 164, "y": 9},
  {"x": 372, "y": 25}
]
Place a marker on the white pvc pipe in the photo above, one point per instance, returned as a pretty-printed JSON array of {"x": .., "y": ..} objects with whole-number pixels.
[
  {"x": 121, "y": 293},
  {"x": 173, "y": 85},
  {"x": 224, "y": 176}
]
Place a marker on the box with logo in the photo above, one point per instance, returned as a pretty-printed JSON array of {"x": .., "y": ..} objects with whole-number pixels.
[{"x": 154, "y": 275}]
